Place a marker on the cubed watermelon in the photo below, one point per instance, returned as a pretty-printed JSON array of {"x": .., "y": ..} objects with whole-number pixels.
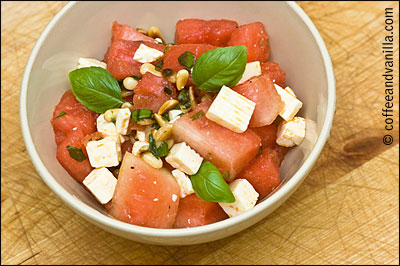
[
  {"x": 275, "y": 72},
  {"x": 194, "y": 211},
  {"x": 150, "y": 92},
  {"x": 231, "y": 152},
  {"x": 69, "y": 129},
  {"x": 127, "y": 33},
  {"x": 119, "y": 57},
  {"x": 214, "y": 32},
  {"x": 255, "y": 38},
  {"x": 261, "y": 90},
  {"x": 144, "y": 195}
]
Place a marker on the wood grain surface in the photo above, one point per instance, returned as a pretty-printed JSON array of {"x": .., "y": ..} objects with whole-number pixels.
[{"x": 346, "y": 211}]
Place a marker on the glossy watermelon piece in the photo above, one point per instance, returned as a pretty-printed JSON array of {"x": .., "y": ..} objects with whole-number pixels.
[
  {"x": 127, "y": 33},
  {"x": 150, "y": 93},
  {"x": 261, "y": 90},
  {"x": 69, "y": 130},
  {"x": 255, "y": 38},
  {"x": 194, "y": 211},
  {"x": 229, "y": 151},
  {"x": 144, "y": 195},
  {"x": 119, "y": 57},
  {"x": 275, "y": 72},
  {"x": 214, "y": 32}
]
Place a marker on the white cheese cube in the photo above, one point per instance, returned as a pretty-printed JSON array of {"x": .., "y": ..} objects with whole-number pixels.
[
  {"x": 141, "y": 135},
  {"x": 108, "y": 128},
  {"x": 184, "y": 158},
  {"x": 231, "y": 110},
  {"x": 291, "y": 105},
  {"x": 101, "y": 182},
  {"x": 291, "y": 132},
  {"x": 122, "y": 120},
  {"x": 184, "y": 183},
  {"x": 104, "y": 152},
  {"x": 174, "y": 115},
  {"x": 145, "y": 54},
  {"x": 88, "y": 62},
  {"x": 139, "y": 146},
  {"x": 245, "y": 198},
  {"x": 253, "y": 69}
]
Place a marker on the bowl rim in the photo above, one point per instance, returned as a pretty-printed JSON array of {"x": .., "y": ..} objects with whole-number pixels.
[{"x": 109, "y": 222}]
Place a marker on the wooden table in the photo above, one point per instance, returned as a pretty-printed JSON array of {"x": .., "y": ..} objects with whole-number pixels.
[{"x": 346, "y": 211}]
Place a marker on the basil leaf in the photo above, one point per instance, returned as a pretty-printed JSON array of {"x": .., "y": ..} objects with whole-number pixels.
[
  {"x": 160, "y": 151},
  {"x": 197, "y": 115},
  {"x": 136, "y": 77},
  {"x": 186, "y": 59},
  {"x": 159, "y": 65},
  {"x": 167, "y": 90},
  {"x": 59, "y": 115},
  {"x": 218, "y": 67},
  {"x": 167, "y": 72},
  {"x": 95, "y": 88},
  {"x": 183, "y": 96},
  {"x": 163, "y": 150},
  {"x": 166, "y": 116},
  {"x": 76, "y": 154},
  {"x": 140, "y": 114},
  {"x": 209, "y": 185},
  {"x": 152, "y": 146},
  {"x": 227, "y": 174}
]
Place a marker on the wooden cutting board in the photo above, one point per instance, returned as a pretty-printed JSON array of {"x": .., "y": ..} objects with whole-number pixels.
[{"x": 346, "y": 211}]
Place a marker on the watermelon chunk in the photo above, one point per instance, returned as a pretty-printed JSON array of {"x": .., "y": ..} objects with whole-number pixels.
[
  {"x": 69, "y": 130},
  {"x": 214, "y": 32},
  {"x": 119, "y": 57},
  {"x": 229, "y": 151},
  {"x": 194, "y": 211},
  {"x": 275, "y": 72},
  {"x": 150, "y": 94},
  {"x": 261, "y": 90},
  {"x": 255, "y": 38},
  {"x": 127, "y": 33},
  {"x": 144, "y": 195}
]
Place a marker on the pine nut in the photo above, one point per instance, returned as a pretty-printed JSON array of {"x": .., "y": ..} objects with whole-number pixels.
[
  {"x": 182, "y": 78},
  {"x": 147, "y": 67},
  {"x": 139, "y": 147},
  {"x": 110, "y": 115},
  {"x": 205, "y": 97},
  {"x": 167, "y": 106},
  {"x": 154, "y": 32},
  {"x": 172, "y": 78},
  {"x": 163, "y": 132},
  {"x": 127, "y": 105},
  {"x": 143, "y": 31},
  {"x": 130, "y": 83},
  {"x": 192, "y": 98},
  {"x": 151, "y": 160},
  {"x": 146, "y": 121},
  {"x": 170, "y": 143},
  {"x": 126, "y": 93},
  {"x": 160, "y": 120}
]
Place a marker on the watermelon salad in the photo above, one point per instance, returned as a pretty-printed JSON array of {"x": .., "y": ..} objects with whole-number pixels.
[{"x": 176, "y": 135}]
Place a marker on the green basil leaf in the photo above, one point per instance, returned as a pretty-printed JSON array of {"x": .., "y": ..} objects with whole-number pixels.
[
  {"x": 183, "y": 96},
  {"x": 167, "y": 72},
  {"x": 167, "y": 90},
  {"x": 163, "y": 150},
  {"x": 160, "y": 151},
  {"x": 152, "y": 146},
  {"x": 227, "y": 174},
  {"x": 197, "y": 115},
  {"x": 140, "y": 114},
  {"x": 76, "y": 154},
  {"x": 209, "y": 185},
  {"x": 186, "y": 59},
  {"x": 166, "y": 116},
  {"x": 95, "y": 88},
  {"x": 60, "y": 114},
  {"x": 136, "y": 77},
  {"x": 159, "y": 65},
  {"x": 218, "y": 67}
]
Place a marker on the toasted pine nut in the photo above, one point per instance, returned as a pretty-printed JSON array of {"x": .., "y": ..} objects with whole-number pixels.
[
  {"x": 182, "y": 78},
  {"x": 147, "y": 67},
  {"x": 127, "y": 105},
  {"x": 163, "y": 132},
  {"x": 146, "y": 121},
  {"x": 160, "y": 120},
  {"x": 205, "y": 97},
  {"x": 170, "y": 143},
  {"x": 192, "y": 98},
  {"x": 151, "y": 160},
  {"x": 139, "y": 147},
  {"x": 167, "y": 106},
  {"x": 110, "y": 115},
  {"x": 154, "y": 32},
  {"x": 126, "y": 93},
  {"x": 143, "y": 31},
  {"x": 130, "y": 83}
]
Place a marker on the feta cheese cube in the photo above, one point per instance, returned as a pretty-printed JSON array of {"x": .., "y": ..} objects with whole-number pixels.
[
  {"x": 88, "y": 62},
  {"x": 253, "y": 69},
  {"x": 141, "y": 135},
  {"x": 291, "y": 105},
  {"x": 104, "y": 152},
  {"x": 139, "y": 146},
  {"x": 291, "y": 132},
  {"x": 184, "y": 183},
  {"x": 184, "y": 158},
  {"x": 174, "y": 115},
  {"x": 145, "y": 54},
  {"x": 231, "y": 110},
  {"x": 108, "y": 128},
  {"x": 101, "y": 183},
  {"x": 122, "y": 120},
  {"x": 246, "y": 198}
]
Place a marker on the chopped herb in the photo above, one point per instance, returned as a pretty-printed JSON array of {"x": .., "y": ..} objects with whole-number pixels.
[
  {"x": 181, "y": 114},
  {"x": 183, "y": 96},
  {"x": 156, "y": 126},
  {"x": 100, "y": 138},
  {"x": 140, "y": 114},
  {"x": 61, "y": 114},
  {"x": 159, "y": 65},
  {"x": 167, "y": 72},
  {"x": 163, "y": 149},
  {"x": 186, "y": 59},
  {"x": 197, "y": 115},
  {"x": 227, "y": 175},
  {"x": 76, "y": 154},
  {"x": 167, "y": 90},
  {"x": 166, "y": 116},
  {"x": 136, "y": 77},
  {"x": 166, "y": 49},
  {"x": 160, "y": 151},
  {"x": 113, "y": 120}
]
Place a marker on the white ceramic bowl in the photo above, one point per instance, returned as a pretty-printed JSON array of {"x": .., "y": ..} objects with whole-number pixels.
[{"x": 83, "y": 29}]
